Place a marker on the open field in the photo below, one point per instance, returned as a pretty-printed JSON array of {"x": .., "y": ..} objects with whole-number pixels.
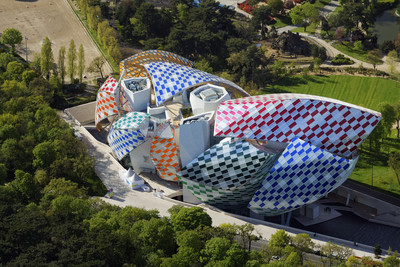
[
  {"x": 368, "y": 92},
  {"x": 363, "y": 91},
  {"x": 37, "y": 19}
]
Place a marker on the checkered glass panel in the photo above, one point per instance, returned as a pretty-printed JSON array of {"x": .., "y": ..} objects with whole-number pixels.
[
  {"x": 303, "y": 174},
  {"x": 148, "y": 56},
  {"x": 238, "y": 196},
  {"x": 335, "y": 126},
  {"x": 226, "y": 165},
  {"x": 132, "y": 120},
  {"x": 169, "y": 79},
  {"x": 164, "y": 155},
  {"x": 123, "y": 141},
  {"x": 106, "y": 103}
]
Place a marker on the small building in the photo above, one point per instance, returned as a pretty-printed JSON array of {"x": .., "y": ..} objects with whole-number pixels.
[
  {"x": 138, "y": 91},
  {"x": 194, "y": 136},
  {"x": 207, "y": 98}
]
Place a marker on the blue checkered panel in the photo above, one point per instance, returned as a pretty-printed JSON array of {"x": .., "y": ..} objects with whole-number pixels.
[
  {"x": 170, "y": 78},
  {"x": 234, "y": 197},
  {"x": 303, "y": 174},
  {"x": 123, "y": 141},
  {"x": 226, "y": 165}
]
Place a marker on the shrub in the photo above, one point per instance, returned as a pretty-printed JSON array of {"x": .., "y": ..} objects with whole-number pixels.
[{"x": 342, "y": 60}]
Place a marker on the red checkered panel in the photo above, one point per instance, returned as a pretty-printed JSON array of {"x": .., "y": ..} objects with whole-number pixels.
[
  {"x": 333, "y": 125},
  {"x": 106, "y": 103}
]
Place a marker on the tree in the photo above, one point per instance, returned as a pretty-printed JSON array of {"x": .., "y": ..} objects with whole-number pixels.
[
  {"x": 389, "y": 115},
  {"x": 62, "y": 187},
  {"x": 41, "y": 87},
  {"x": 387, "y": 46},
  {"x": 261, "y": 17},
  {"x": 11, "y": 37},
  {"x": 215, "y": 249},
  {"x": 96, "y": 66},
  {"x": 71, "y": 57},
  {"x": 5, "y": 58},
  {"x": 276, "y": 6},
  {"x": 14, "y": 71},
  {"x": 46, "y": 58},
  {"x": 374, "y": 57},
  {"x": 339, "y": 34},
  {"x": 44, "y": 154},
  {"x": 317, "y": 64},
  {"x": 94, "y": 17},
  {"x": 304, "y": 14},
  {"x": 392, "y": 260},
  {"x": 394, "y": 163},
  {"x": 245, "y": 233},
  {"x": 190, "y": 219},
  {"x": 303, "y": 242},
  {"x": 334, "y": 252},
  {"x": 61, "y": 63},
  {"x": 28, "y": 76},
  {"x": 377, "y": 251},
  {"x": 280, "y": 239},
  {"x": 26, "y": 185},
  {"x": 397, "y": 109},
  {"x": 81, "y": 62},
  {"x": 3, "y": 173}
]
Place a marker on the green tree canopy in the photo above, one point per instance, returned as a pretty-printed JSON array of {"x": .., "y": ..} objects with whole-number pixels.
[
  {"x": 61, "y": 64},
  {"x": 276, "y": 6},
  {"x": 81, "y": 62},
  {"x": 46, "y": 58},
  {"x": 394, "y": 163},
  {"x": 304, "y": 14},
  {"x": 280, "y": 239},
  {"x": 12, "y": 37},
  {"x": 190, "y": 219},
  {"x": 71, "y": 60}
]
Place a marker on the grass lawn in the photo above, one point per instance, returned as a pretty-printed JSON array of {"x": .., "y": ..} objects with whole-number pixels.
[
  {"x": 372, "y": 168},
  {"x": 309, "y": 29},
  {"x": 348, "y": 49},
  {"x": 368, "y": 92},
  {"x": 282, "y": 21},
  {"x": 363, "y": 91}
]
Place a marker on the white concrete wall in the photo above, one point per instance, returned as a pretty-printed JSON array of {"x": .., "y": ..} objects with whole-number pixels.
[
  {"x": 188, "y": 197},
  {"x": 194, "y": 139},
  {"x": 140, "y": 158}
]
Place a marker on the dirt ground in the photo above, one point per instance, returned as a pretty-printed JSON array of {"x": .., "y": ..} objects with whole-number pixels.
[{"x": 36, "y": 19}]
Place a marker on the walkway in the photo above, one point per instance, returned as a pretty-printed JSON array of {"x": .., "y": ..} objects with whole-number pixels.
[{"x": 331, "y": 51}]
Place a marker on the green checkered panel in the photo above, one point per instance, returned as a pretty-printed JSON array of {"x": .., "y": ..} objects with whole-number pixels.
[{"x": 226, "y": 165}]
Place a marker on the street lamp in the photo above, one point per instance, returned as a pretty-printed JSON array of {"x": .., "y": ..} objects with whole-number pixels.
[{"x": 26, "y": 48}]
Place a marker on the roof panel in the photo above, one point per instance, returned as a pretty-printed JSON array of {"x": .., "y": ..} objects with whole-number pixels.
[
  {"x": 169, "y": 79},
  {"x": 226, "y": 165},
  {"x": 303, "y": 174},
  {"x": 327, "y": 123}
]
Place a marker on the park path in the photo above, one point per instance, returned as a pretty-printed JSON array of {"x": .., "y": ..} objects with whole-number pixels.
[{"x": 331, "y": 51}]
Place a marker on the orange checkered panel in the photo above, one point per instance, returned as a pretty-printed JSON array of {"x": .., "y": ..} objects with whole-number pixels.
[
  {"x": 165, "y": 157},
  {"x": 133, "y": 64},
  {"x": 106, "y": 103}
]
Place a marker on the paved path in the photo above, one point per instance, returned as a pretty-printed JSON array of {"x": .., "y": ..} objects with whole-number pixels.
[{"x": 331, "y": 51}]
